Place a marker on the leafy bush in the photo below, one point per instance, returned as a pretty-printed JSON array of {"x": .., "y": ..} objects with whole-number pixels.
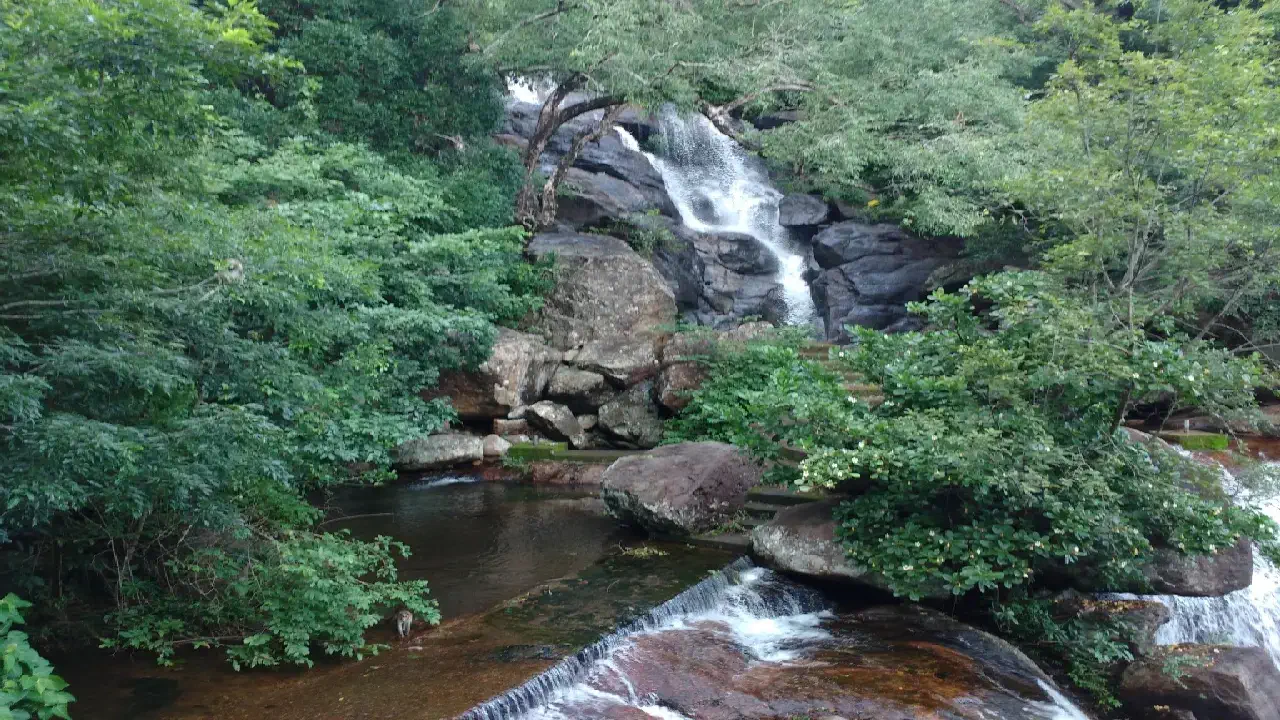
[
  {"x": 1089, "y": 648},
  {"x": 28, "y": 687},
  {"x": 995, "y": 455}
]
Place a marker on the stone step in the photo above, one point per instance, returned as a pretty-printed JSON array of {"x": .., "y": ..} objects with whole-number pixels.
[
  {"x": 561, "y": 452},
  {"x": 734, "y": 542},
  {"x": 780, "y": 497},
  {"x": 762, "y": 510}
]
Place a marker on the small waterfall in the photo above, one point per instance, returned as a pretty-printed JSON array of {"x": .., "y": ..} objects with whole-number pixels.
[
  {"x": 1245, "y": 618},
  {"x": 719, "y": 187},
  {"x": 536, "y": 692},
  {"x": 772, "y": 620}
]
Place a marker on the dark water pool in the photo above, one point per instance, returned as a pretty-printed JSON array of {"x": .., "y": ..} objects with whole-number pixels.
[{"x": 480, "y": 543}]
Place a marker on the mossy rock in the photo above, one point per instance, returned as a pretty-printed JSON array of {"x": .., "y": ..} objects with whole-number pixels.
[
  {"x": 1197, "y": 440},
  {"x": 537, "y": 451}
]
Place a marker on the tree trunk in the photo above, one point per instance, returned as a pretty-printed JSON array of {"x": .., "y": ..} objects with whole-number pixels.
[
  {"x": 529, "y": 202},
  {"x": 547, "y": 213}
]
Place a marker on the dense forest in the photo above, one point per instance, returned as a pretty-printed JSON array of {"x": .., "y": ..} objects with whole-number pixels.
[{"x": 241, "y": 240}]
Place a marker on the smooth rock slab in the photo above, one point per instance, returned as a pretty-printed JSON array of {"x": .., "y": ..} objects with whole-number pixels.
[
  {"x": 682, "y": 489},
  {"x": 439, "y": 451},
  {"x": 801, "y": 540}
]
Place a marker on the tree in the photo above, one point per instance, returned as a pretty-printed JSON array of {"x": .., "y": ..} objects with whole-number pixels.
[
  {"x": 199, "y": 328},
  {"x": 1154, "y": 183}
]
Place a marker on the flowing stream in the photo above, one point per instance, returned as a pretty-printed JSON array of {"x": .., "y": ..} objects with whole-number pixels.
[{"x": 745, "y": 638}]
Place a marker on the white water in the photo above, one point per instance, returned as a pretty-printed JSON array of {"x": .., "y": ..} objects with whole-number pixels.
[
  {"x": 771, "y": 620},
  {"x": 717, "y": 187}
]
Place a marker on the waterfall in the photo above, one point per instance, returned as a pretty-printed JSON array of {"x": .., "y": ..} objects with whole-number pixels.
[
  {"x": 719, "y": 187},
  {"x": 1245, "y": 618},
  {"x": 770, "y": 619}
]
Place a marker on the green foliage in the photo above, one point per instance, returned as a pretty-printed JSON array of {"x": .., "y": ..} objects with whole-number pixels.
[
  {"x": 28, "y": 687},
  {"x": 994, "y": 457},
  {"x": 1089, "y": 648},
  {"x": 203, "y": 322},
  {"x": 1152, "y": 178},
  {"x": 303, "y": 590},
  {"x": 392, "y": 73},
  {"x": 766, "y": 399}
]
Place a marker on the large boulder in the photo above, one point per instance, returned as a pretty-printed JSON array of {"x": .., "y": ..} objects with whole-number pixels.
[
  {"x": 516, "y": 373},
  {"x": 680, "y": 489},
  {"x": 1211, "y": 682},
  {"x": 803, "y": 211},
  {"x": 594, "y": 199},
  {"x": 865, "y": 274},
  {"x": 434, "y": 452},
  {"x": 556, "y": 422},
  {"x": 718, "y": 278},
  {"x": 801, "y": 540},
  {"x": 631, "y": 419},
  {"x": 604, "y": 292}
]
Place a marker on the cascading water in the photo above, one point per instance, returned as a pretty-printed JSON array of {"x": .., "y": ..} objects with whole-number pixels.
[
  {"x": 718, "y": 187},
  {"x": 1247, "y": 618},
  {"x": 780, "y": 626}
]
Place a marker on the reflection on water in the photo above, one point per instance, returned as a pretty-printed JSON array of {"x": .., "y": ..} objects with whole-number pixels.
[{"x": 480, "y": 543}]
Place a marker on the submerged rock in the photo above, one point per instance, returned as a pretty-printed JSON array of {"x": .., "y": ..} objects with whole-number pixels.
[
  {"x": 1211, "y": 682},
  {"x": 680, "y": 489},
  {"x": 439, "y": 451}
]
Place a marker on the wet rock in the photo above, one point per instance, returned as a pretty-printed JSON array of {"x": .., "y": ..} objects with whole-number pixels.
[
  {"x": 516, "y": 373},
  {"x": 680, "y": 489},
  {"x": 557, "y": 422},
  {"x": 867, "y": 274},
  {"x": 802, "y": 211},
  {"x": 581, "y": 390},
  {"x": 439, "y": 451},
  {"x": 556, "y": 472},
  {"x": 632, "y": 418},
  {"x": 524, "y": 653},
  {"x": 1210, "y": 681},
  {"x": 801, "y": 540},
  {"x": 1141, "y": 619},
  {"x": 495, "y": 446},
  {"x": 604, "y": 292},
  {"x": 887, "y": 663}
]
